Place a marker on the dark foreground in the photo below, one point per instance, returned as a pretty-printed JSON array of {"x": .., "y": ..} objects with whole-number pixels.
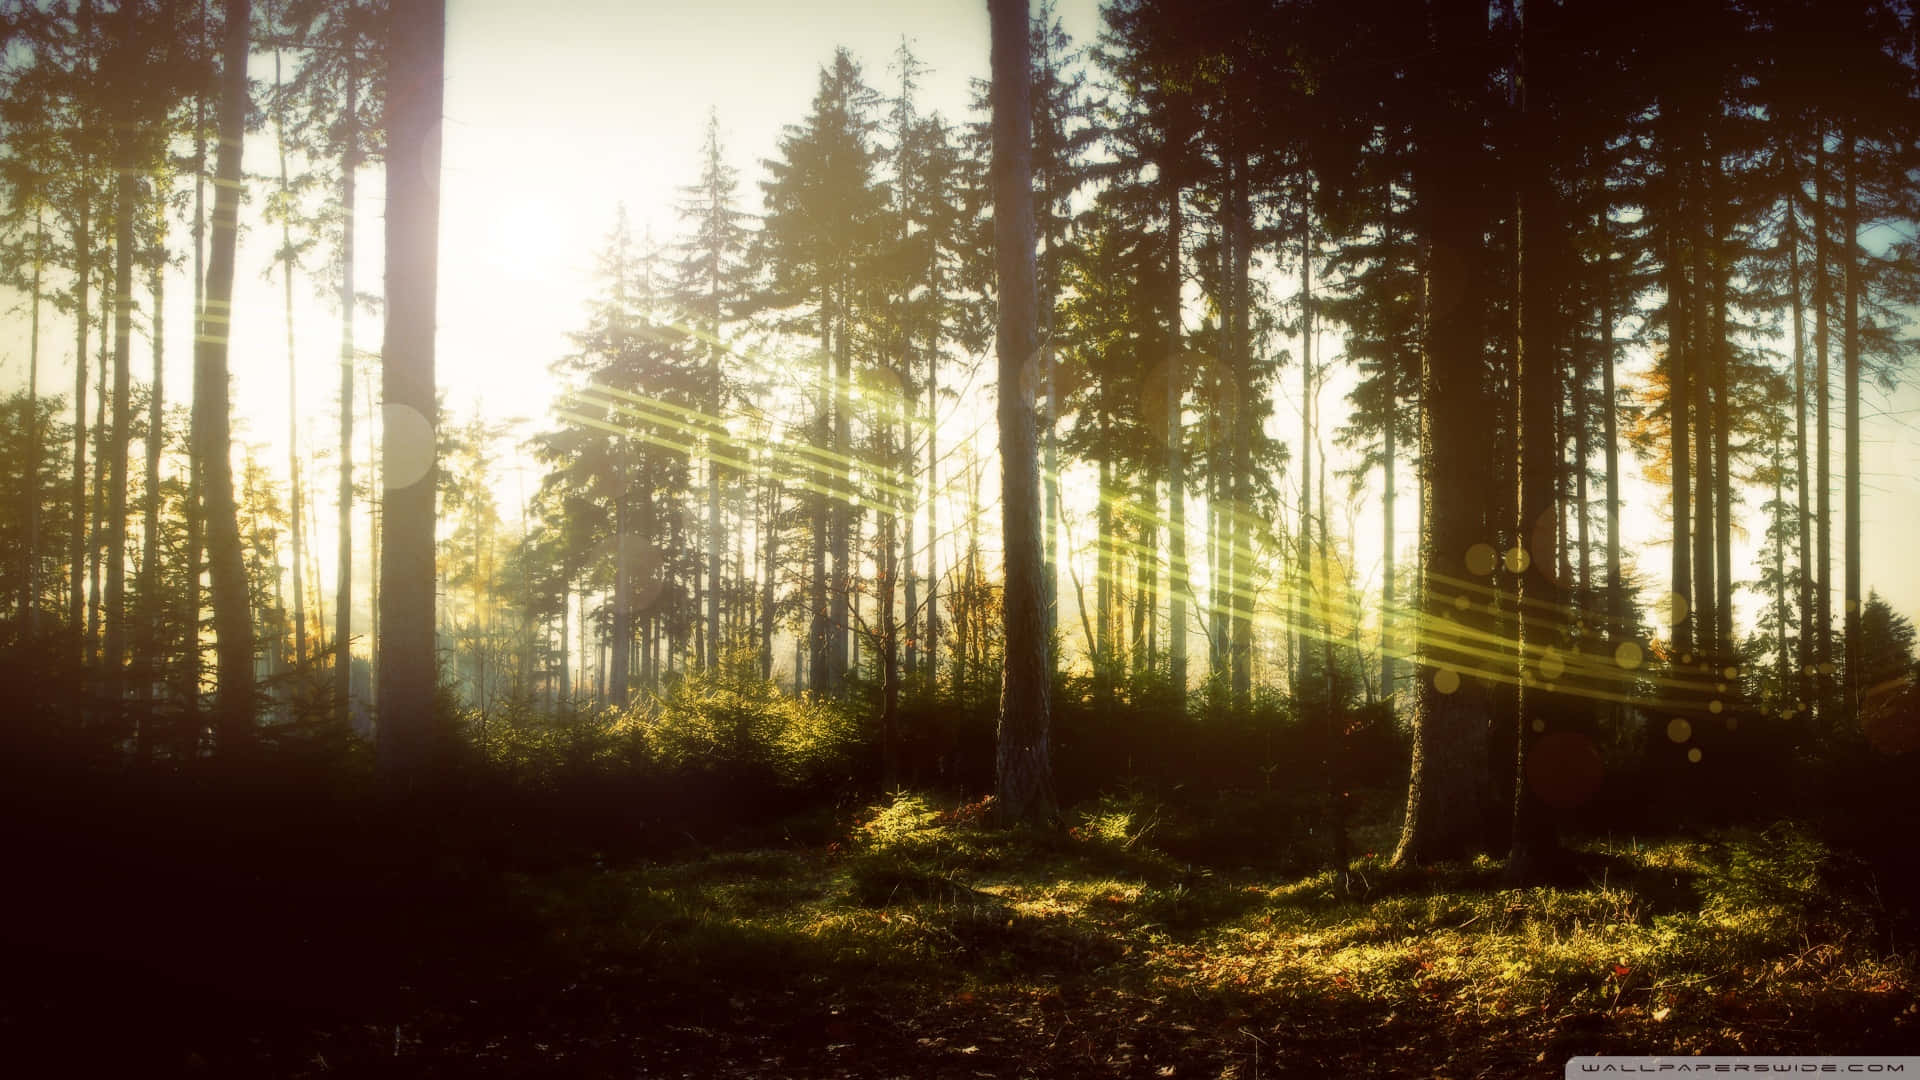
[{"x": 248, "y": 933}]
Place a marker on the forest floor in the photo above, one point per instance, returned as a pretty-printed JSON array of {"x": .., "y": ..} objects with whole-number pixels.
[{"x": 908, "y": 940}]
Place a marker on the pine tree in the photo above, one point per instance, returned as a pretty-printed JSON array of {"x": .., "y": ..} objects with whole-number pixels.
[{"x": 823, "y": 214}]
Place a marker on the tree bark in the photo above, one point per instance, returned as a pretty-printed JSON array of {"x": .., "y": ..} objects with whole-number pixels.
[
  {"x": 1680, "y": 450},
  {"x": 408, "y": 677},
  {"x": 1176, "y": 444},
  {"x": 1023, "y": 770},
  {"x": 82, "y": 279},
  {"x": 1804, "y": 660},
  {"x": 1447, "y": 788},
  {"x": 1822, "y": 426},
  {"x": 1850, "y": 344},
  {"x": 343, "y": 564},
  {"x": 146, "y": 645},
  {"x": 1239, "y": 505},
  {"x": 126, "y": 192},
  {"x": 30, "y": 571},
  {"x": 232, "y": 622},
  {"x": 1537, "y": 370}
]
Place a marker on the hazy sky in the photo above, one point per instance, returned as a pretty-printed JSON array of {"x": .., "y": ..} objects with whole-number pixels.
[{"x": 556, "y": 113}]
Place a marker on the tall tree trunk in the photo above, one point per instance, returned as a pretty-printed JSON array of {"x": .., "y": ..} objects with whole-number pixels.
[
  {"x": 232, "y": 624},
  {"x": 1239, "y": 506},
  {"x": 715, "y": 564},
  {"x": 1448, "y": 782},
  {"x": 1582, "y": 451},
  {"x": 30, "y": 571},
  {"x": 1804, "y": 661},
  {"x": 911, "y": 495},
  {"x": 619, "y": 676},
  {"x": 82, "y": 314},
  {"x": 1332, "y": 760},
  {"x": 819, "y": 656},
  {"x": 1722, "y": 421},
  {"x": 1610, "y": 414},
  {"x": 296, "y": 496},
  {"x": 416, "y": 76},
  {"x": 343, "y": 561},
  {"x": 1537, "y": 370},
  {"x": 1303, "y": 587},
  {"x": 932, "y": 641},
  {"x": 1705, "y": 362},
  {"x": 1022, "y": 765},
  {"x": 1822, "y": 426},
  {"x": 840, "y": 521},
  {"x": 1850, "y": 282},
  {"x": 1783, "y": 667},
  {"x": 146, "y": 646},
  {"x": 1680, "y": 449},
  {"x": 1176, "y": 446},
  {"x": 373, "y": 551},
  {"x": 888, "y": 560},
  {"x": 102, "y": 450},
  {"x": 767, "y": 594},
  {"x": 189, "y": 735},
  {"x": 126, "y": 193},
  {"x": 1050, "y": 420},
  {"x": 716, "y": 444},
  {"x": 1103, "y": 665},
  {"x": 1390, "y": 371}
]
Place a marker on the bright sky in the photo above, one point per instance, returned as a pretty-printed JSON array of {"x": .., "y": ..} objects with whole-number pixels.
[{"x": 554, "y": 115}]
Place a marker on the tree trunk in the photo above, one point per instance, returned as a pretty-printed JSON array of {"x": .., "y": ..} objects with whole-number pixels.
[
  {"x": 232, "y": 623},
  {"x": 819, "y": 658},
  {"x": 1447, "y": 787},
  {"x": 767, "y": 594},
  {"x": 102, "y": 450},
  {"x": 1850, "y": 282},
  {"x": 1303, "y": 588},
  {"x": 1537, "y": 370},
  {"x": 716, "y": 440},
  {"x": 619, "y": 677},
  {"x": 30, "y": 570},
  {"x": 1239, "y": 506},
  {"x": 1722, "y": 423},
  {"x": 343, "y": 563},
  {"x": 889, "y": 640},
  {"x": 416, "y": 77},
  {"x": 1023, "y": 771},
  {"x": 126, "y": 191},
  {"x": 373, "y": 552},
  {"x": 1103, "y": 665},
  {"x": 82, "y": 279},
  {"x": 932, "y": 644},
  {"x": 1822, "y": 425},
  {"x": 1176, "y": 449},
  {"x": 840, "y": 519},
  {"x": 189, "y": 734},
  {"x": 1680, "y": 450},
  {"x": 1702, "y": 360},
  {"x": 1804, "y": 661},
  {"x": 146, "y": 646},
  {"x": 1610, "y": 411},
  {"x": 1390, "y": 371}
]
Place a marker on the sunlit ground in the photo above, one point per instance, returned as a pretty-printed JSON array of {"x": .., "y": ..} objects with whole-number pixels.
[{"x": 905, "y": 939}]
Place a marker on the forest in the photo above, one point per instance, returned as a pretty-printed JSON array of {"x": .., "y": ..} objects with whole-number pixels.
[{"x": 1263, "y": 537}]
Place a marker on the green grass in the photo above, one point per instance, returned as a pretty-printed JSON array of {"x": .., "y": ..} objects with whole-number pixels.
[
  {"x": 909, "y": 939},
  {"x": 1097, "y": 950}
]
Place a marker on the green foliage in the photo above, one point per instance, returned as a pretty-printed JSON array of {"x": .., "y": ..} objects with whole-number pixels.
[{"x": 748, "y": 732}]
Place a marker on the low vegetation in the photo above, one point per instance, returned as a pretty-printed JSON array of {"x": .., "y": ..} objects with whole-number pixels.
[{"x": 905, "y": 938}]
